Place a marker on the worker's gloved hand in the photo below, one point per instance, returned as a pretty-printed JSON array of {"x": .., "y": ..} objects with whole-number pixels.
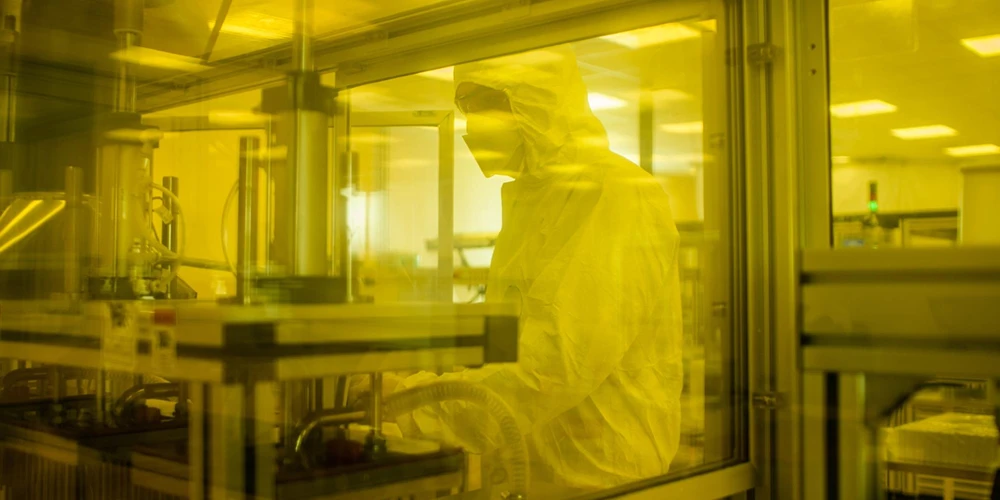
[{"x": 359, "y": 389}]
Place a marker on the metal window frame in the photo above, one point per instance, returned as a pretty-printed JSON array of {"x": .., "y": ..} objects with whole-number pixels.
[{"x": 442, "y": 37}]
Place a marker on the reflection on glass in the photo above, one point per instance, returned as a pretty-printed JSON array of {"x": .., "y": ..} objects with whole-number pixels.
[
  {"x": 942, "y": 443},
  {"x": 533, "y": 183},
  {"x": 911, "y": 105},
  {"x": 432, "y": 285}
]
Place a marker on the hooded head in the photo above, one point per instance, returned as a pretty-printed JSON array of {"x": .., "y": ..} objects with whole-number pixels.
[{"x": 538, "y": 117}]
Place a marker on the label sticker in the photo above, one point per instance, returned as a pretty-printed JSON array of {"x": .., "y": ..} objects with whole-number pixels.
[{"x": 119, "y": 329}]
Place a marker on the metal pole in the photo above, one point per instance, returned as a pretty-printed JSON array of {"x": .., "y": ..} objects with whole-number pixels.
[
  {"x": 74, "y": 199},
  {"x": 246, "y": 254},
  {"x": 128, "y": 31},
  {"x": 376, "y": 404},
  {"x": 168, "y": 231},
  {"x": 302, "y": 43}
]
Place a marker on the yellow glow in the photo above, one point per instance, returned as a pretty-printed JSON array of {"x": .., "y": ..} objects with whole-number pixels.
[
  {"x": 256, "y": 25},
  {"x": 443, "y": 74},
  {"x": 684, "y": 128},
  {"x": 686, "y": 158},
  {"x": 841, "y": 160},
  {"x": 986, "y": 46},
  {"x": 708, "y": 25},
  {"x": 47, "y": 212},
  {"x": 928, "y": 132},
  {"x": 600, "y": 101},
  {"x": 145, "y": 56},
  {"x": 655, "y": 35},
  {"x": 861, "y": 108},
  {"x": 236, "y": 118},
  {"x": 671, "y": 95},
  {"x": 977, "y": 150}
]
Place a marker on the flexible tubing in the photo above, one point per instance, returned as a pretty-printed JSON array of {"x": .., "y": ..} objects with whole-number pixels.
[
  {"x": 155, "y": 243},
  {"x": 412, "y": 399}
]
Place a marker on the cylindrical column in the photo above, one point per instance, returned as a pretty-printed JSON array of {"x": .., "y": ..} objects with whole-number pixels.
[
  {"x": 302, "y": 42},
  {"x": 310, "y": 184},
  {"x": 117, "y": 175},
  {"x": 168, "y": 231},
  {"x": 246, "y": 255},
  {"x": 128, "y": 31},
  {"x": 74, "y": 202}
]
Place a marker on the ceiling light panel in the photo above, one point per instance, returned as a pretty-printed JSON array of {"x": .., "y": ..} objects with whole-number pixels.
[
  {"x": 600, "y": 101},
  {"x": 977, "y": 150},
  {"x": 986, "y": 46},
  {"x": 928, "y": 132},
  {"x": 861, "y": 108}
]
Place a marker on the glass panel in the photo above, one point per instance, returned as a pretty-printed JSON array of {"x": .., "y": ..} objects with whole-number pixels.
[
  {"x": 235, "y": 294},
  {"x": 530, "y": 226},
  {"x": 942, "y": 443},
  {"x": 915, "y": 155}
]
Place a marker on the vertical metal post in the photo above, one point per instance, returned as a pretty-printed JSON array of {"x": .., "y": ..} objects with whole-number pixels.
[
  {"x": 101, "y": 397},
  {"x": 446, "y": 208},
  {"x": 302, "y": 41},
  {"x": 74, "y": 199},
  {"x": 246, "y": 254},
  {"x": 168, "y": 231},
  {"x": 646, "y": 108},
  {"x": 343, "y": 180},
  {"x": 375, "y": 410},
  {"x": 128, "y": 23},
  {"x": 6, "y": 188}
]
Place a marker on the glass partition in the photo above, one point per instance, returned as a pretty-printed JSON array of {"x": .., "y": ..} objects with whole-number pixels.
[
  {"x": 913, "y": 125},
  {"x": 655, "y": 94}
]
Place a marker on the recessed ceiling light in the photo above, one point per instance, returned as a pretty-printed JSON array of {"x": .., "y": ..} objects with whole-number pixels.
[
  {"x": 986, "y": 46},
  {"x": 654, "y": 35},
  {"x": 927, "y": 132},
  {"x": 841, "y": 160},
  {"x": 600, "y": 101},
  {"x": 977, "y": 150},
  {"x": 684, "y": 128},
  {"x": 443, "y": 74},
  {"x": 861, "y": 108}
]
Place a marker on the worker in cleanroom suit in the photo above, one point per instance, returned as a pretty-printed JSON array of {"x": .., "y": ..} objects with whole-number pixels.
[{"x": 589, "y": 250}]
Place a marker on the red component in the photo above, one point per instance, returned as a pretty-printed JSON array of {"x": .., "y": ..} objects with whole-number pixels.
[
  {"x": 146, "y": 415},
  {"x": 164, "y": 317},
  {"x": 344, "y": 451},
  {"x": 872, "y": 191}
]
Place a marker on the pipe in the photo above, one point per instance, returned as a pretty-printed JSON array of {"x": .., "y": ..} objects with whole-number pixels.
[
  {"x": 246, "y": 254},
  {"x": 412, "y": 399},
  {"x": 323, "y": 419},
  {"x": 74, "y": 201}
]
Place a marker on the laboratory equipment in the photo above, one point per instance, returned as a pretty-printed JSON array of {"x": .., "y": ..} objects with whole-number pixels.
[{"x": 116, "y": 383}]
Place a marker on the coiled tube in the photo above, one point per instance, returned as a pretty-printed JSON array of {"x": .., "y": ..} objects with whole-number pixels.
[{"x": 412, "y": 399}]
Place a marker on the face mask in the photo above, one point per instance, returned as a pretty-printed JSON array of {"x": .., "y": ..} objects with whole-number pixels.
[{"x": 495, "y": 143}]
